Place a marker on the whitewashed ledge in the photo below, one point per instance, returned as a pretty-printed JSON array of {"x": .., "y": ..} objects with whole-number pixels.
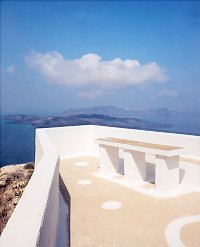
[
  {"x": 40, "y": 216},
  {"x": 35, "y": 219}
]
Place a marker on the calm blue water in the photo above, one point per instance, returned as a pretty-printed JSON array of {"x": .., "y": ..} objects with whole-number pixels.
[
  {"x": 17, "y": 143},
  {"x": 17, "y": 140},
  {"x": 183, "y": 123}
]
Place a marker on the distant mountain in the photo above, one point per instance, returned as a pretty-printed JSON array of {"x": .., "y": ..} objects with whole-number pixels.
[
  {"x": 104, "y": 110},
  {"x": 115, "y": 111},
  {"x": 85, "y": 119}
]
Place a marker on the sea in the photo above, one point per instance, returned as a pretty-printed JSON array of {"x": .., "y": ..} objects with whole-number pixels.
[{"x": 17, "y": 141}]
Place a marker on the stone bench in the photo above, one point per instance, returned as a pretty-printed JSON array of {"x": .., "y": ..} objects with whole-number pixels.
[{"x": 167, "y": 161}]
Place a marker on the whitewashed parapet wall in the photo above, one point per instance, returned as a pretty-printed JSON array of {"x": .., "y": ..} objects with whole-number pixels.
[
  {"x": 78, "y": 141},
  {"x": 73, "y": 141},
  {"x": 190, "y": 144},
  {"x": 36, "y": 217},
  {"x": 34, "y": 220}
]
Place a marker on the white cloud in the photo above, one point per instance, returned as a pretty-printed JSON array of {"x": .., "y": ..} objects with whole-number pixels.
[
  {"x": 167, "y": 93},
  {"x": 92, "y": 71},
  {"x": 11, "y": 69}
]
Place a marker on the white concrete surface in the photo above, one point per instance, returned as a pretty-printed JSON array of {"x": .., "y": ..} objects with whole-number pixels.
[
  {"x": 109, "y": 159},
  {"x": 62, "y": 237},
  {"x": 72, "y": 141},
  {"x": 167, "y": 174},
  {"x": 172, "y": 231},
  {"x": 36, "y": 218},
  {"x": 134, "y": 166},
  {"x": 190, "y": 175}
]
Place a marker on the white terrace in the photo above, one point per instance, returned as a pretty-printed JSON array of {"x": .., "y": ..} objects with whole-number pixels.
[{"x": 123, "y": 188}]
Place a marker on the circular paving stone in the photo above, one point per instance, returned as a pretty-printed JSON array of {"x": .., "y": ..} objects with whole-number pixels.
[
  {"x": 111, "y": 205},
  {"x": 81, "y": 163},
  {"x": 84, "y": 182}
]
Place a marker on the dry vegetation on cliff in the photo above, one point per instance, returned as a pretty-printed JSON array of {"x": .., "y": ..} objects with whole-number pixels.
[{"x": 13, "y": 180}]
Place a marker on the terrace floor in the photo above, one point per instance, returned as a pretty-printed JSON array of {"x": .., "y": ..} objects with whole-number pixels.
[{"x": 130, "y": 219}]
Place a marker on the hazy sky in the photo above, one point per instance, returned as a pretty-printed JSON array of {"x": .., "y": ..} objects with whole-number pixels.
[{"x": 56, "y": 55}]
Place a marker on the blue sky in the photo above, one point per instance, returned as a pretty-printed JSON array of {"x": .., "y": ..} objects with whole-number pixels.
[{"x": 56, "y": 55}]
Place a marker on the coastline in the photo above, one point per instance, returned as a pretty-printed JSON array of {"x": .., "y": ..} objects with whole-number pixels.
[{"x": 18, "y": 139}]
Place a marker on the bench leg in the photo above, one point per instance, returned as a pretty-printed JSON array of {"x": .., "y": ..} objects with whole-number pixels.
[
  {"x": 134, "y": 166},
  {"x": 109, "y": 159},
  {"x": 167, "y": 174}
]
